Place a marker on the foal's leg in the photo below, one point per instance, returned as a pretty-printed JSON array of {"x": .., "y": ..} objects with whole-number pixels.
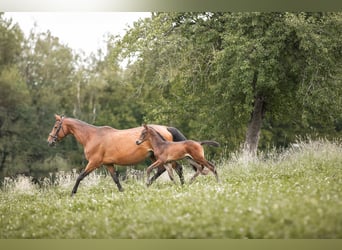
[
  {"x": 179, "y": 170},
  {"x": 89, "y": 168},
  {"x": 160, "y": 170},
  {"x": 199, "y": 170},
  {"x": 195, "y": 166},
  {"x": 211, "y": 167},
  {"x": 149, "y": 169},
  {"x": 115, "y": 177},
  {"x": 168, "y": 167}
]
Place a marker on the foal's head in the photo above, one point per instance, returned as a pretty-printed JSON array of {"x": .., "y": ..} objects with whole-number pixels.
[
  {"x": 58, "y": 131},
  {"x": 145, "y": 135},
  {"x": 148, "y": 133}
]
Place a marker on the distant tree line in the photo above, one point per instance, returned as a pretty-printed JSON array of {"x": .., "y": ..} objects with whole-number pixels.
[{"x": 248, "y": 80}]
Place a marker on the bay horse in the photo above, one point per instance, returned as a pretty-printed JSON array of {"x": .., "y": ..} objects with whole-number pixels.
[
  {"x": 107, "y": 146},
  {"x": 167, "y": 151}
]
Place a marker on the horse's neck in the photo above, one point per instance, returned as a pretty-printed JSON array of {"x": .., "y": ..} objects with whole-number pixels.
[
  {"x": 80, "y": 130},
  {"x": 156, "y": 140}
]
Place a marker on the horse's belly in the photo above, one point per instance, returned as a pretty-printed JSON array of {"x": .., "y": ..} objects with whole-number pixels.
[{"x": 127, "y": 158}]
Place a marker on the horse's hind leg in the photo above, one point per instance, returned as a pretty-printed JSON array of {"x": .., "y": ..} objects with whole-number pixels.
[
  {"x": 115, "y": 177},
  {"x": 179, "y": 170},
  {"x": 215, "y": 171},
  {"x": 199, "y": 170},
  {"x": 195, "y": 166},
  {"x": 212, "y": 168}
]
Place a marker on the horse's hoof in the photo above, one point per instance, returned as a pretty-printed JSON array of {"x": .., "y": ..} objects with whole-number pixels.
[
  {"x": 121, "y": 189},
  {"x": 205, "y": 172}
]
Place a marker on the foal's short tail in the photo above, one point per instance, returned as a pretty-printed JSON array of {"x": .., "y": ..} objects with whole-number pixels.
[{"x": 210, "y": 143}]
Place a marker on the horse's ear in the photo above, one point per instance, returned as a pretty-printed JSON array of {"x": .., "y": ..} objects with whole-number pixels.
[
  {"x": 57, "y": 117},
  {"x": 145, "y": 125}
]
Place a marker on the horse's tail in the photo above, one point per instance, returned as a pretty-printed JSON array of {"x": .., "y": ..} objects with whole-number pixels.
[
  {"x": 176, "y": 134},
  {"x": 210, "y": 143}
]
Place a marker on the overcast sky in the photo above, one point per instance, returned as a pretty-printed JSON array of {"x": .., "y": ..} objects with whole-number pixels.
[{"x": 79, "y": 30}]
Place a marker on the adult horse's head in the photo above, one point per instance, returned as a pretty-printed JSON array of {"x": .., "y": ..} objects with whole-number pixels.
[{"x": 58, "y": 132}]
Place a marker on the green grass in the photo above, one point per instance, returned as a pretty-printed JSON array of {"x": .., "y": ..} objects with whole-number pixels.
[{"x": 293, "y": 194}]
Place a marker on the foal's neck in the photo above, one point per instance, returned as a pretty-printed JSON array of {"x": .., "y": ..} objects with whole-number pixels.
[{"x": 156, "y": 139}]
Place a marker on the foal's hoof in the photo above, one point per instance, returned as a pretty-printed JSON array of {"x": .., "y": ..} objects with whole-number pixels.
[
  {"x": 121, "y": 189},
  {"x": 205, "y": 172}
]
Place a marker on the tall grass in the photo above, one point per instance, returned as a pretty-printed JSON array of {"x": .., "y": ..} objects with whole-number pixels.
[{"x": 295, "y": 193}]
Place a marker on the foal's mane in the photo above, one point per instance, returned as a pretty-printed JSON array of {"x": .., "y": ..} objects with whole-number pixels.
[{"x": 160, "y": 136}]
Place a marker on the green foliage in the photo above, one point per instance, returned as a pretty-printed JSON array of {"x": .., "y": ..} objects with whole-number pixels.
[
  {"x": 199, "y": 72},
  {"x": 10, "y": 37},
  {"x": 292, "y": 194},
  {"x": 202, "y": 72}
]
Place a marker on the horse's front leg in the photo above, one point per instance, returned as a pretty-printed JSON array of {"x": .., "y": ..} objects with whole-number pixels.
[
  {"x": 179, "y": 170},
  {"x": 115, "y": 177},
  {"x": 161, "y": 169},
  {"x": 159, "y": 172},
  {"x": 89, "y": 168},
  {"x": 149, "y": 169}
]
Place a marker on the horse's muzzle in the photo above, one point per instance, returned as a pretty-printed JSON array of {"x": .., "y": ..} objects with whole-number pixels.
[{"x": 52, "y": 143}]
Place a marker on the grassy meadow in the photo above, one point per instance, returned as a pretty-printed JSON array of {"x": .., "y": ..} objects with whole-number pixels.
[{"x": 296, "y": 193}]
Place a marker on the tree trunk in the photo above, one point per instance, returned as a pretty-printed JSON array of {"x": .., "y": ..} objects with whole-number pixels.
[
  {"x": 254, "y": 127},
  {"x": 4, "y": 155}
]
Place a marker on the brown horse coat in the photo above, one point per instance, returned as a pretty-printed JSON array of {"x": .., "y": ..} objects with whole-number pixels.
[
  {"x": 104, "y": 145},
  {"x": 168, "y": 151}
]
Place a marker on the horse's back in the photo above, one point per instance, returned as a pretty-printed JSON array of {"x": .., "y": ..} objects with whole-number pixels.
[{"x": 120, "y": 145}]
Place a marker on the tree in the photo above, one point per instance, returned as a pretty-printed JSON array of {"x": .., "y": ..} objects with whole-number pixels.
[
  {"x": 285, "y": 59},
  {"x": 14, "y": 100},
  {"x": 234, "y": 75}
]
